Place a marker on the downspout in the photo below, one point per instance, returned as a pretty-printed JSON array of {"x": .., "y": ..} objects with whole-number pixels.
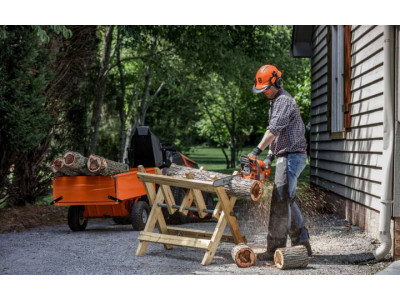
[{"x": 388, "y": 147}]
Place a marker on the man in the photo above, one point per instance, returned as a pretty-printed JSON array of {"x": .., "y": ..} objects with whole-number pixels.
[{"x": 286, "y": 140}]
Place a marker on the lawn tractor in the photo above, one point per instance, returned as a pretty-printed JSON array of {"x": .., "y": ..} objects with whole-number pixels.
[{"x": 122, "y": 197}]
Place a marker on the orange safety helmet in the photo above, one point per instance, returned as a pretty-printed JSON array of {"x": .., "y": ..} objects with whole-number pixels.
[{"x": 267, "y": 76}]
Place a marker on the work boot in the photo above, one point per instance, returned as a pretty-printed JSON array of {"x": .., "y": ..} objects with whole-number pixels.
[
  {"x": 272, "y": 245},
  {"x": 302, "y": 239}
]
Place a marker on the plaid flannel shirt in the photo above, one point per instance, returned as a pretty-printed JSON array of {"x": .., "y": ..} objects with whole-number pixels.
[{"x": 286, "y": 124}]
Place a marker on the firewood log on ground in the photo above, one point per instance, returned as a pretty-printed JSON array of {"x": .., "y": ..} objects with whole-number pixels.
[
  {"x": 291, "y": 258},
  {"x": 243, "y": 256}
]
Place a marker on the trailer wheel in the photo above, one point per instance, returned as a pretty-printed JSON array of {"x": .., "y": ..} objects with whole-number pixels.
[
  {"x": 76, "y": 221},
  {"x": 140, "y": 214}
]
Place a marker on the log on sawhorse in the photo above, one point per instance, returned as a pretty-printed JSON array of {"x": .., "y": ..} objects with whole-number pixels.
[{"x": 174, "y": 236}]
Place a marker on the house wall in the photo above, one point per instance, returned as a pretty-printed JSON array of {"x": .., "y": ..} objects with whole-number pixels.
[{"x": 350, "y": 167}]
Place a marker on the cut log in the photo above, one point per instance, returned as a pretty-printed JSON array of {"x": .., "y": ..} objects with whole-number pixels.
[
  {"x": 247, "y": 189},
  {"x": 243, "y": 256},
  {"x": 77, "y": 162},
  {"x": 101, "y": 166},
  {"x": 59, "y": 168},
  {"x": 291, "y": 258}
]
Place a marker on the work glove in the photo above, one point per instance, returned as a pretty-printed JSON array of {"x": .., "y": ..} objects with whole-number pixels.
[
  {"x": 256, "y": 152},
  {"x": 268, "y": 161},
  {"x": 244, "y": 159}
]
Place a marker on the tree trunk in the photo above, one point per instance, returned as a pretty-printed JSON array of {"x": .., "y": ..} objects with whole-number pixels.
[
  {"x": 77, "y": 162},
  {"x": 291, "y": 258},
  {"x": 121, "y": 99},
  {"x": 247, "y": 189},
  {"x": 101, "y": 86},
  {"x": 243, "y": 256},
  {"x": 101, "y": 166},
  {"x": 59, "y": 168}
]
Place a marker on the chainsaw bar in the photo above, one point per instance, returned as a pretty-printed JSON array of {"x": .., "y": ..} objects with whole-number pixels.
[{"x": 225, "y": 180}]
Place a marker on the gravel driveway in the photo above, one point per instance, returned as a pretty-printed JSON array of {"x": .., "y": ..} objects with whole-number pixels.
[{"x": 107, "y": 248}]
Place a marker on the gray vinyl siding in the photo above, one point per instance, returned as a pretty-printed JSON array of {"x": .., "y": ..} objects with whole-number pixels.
[{"x": 351, "y": 167}]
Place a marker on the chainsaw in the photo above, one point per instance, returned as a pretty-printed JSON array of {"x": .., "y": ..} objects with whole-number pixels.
[{"x": 252, "y": 169}]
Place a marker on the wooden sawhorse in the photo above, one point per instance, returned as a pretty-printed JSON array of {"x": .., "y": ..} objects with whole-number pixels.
[{"x": 174, "y": 236}]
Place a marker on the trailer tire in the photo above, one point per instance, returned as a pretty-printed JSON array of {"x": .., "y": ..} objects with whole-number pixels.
[
  {"x": 140, "y": 214},
  {"x": 76, "y": 221}
]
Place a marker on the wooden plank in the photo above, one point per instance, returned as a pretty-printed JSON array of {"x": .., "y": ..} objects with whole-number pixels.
[
  {"x": 350, "y": 146},
  {"x": 174, "y": 240},
  {"x": 321, "y": 91},
  {"x": 360, "y": 31},
  {"x": 227, "y": 209},
  {"x": 367, "y": 65},
  {"x": 321, "y": 82},
  {"x": 179, "y": 182},
  {"x": 346, "y": 192},
  {"x": 194, "y": 233},
  {"x": 319, "y": 100},
  {"x": 367, "y": 52},
  {"x": 375, "y": 117},
  {"x": 319, "y": 128},
  {"x": 167, "y": 193},
  {"x": 321, "y": 62},
  {"x": 186, "y": 202},
  {"x": 317, "y": 47},
  {"x": 362, "y": 172},
  {"x": 217, "y": 235},
  {"x": 318, "y": 137},
  {"x": 367, "y": 105},
  {"x": 322, "y": 109},
  {"x": 367, "y": 39},
  {"x": 367, "y": 78},
  {"x": 317, "y": 30},
  {"x": 367, "y": 92},
  {"x": 362, "y": 159},
  {"x": 155, "y": 217},
  {"x": 217, "y": 211},
  {"x": 319, "y": 73},
  {"x": 319, "y": 119},
  {"x": 370, "y": 132},
  {"x": 369, "y": 187},
  {"x": 198, "y": 199}
]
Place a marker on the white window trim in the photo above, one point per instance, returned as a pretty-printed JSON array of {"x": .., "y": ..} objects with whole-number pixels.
[{"x": 337, "y": 79}]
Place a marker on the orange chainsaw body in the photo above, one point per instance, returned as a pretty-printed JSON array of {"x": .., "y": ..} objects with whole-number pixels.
[{"x": 255, "y": 169}]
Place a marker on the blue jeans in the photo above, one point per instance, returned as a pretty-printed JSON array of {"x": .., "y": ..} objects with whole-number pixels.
[{"x": 296, "y": 163}]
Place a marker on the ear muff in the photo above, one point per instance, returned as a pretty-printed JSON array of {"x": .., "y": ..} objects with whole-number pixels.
[{"x": 278, "y": 80}]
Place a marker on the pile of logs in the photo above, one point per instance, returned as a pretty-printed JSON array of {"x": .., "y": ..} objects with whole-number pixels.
[{"x": 75, "y": 164}]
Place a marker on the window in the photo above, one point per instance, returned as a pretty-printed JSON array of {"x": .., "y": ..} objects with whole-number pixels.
[{"x": 339, "y": 80}]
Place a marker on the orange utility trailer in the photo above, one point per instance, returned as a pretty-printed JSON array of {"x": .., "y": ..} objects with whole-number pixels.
[
  {"x": 122, "y": 196},
  {"x": 103, "y": 196}
]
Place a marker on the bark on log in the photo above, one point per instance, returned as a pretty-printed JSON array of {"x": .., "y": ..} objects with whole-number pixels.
[
  {"x": 77, "y": 162},
  {"x": 291, "y": 258},
  {"x": 247, "y": 189},
  {"x": 243, "y": 256},
  {"x": 60, "y": 169},
  {"x": 101, "y": 166}
]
